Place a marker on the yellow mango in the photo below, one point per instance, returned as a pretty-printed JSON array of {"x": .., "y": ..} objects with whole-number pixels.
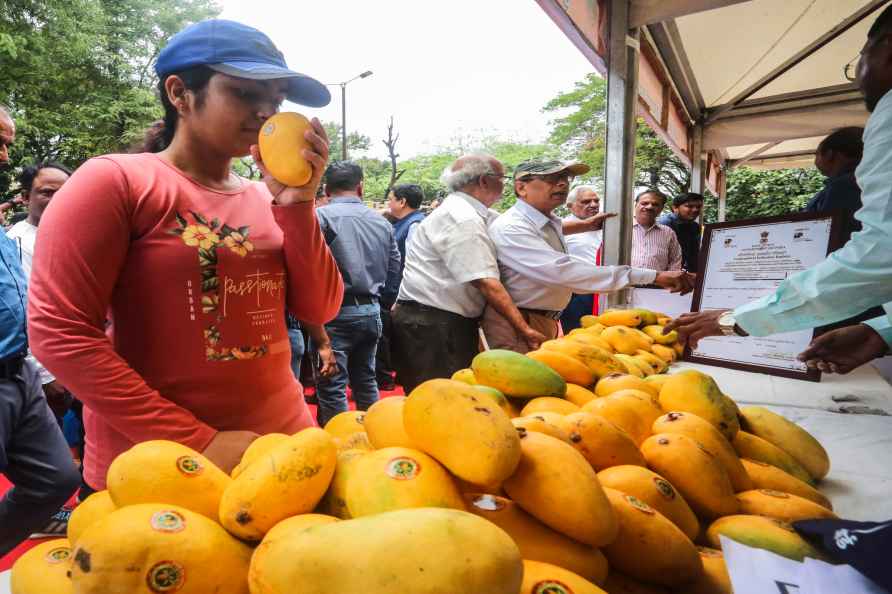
[
  {"x": 354, "y": 441},
  {"x": 662, "y": 320},
  {"x": 648, "y": 317},
  {"x": 599, "y": 361},
  {"x": 644, "y": 337},
  {"x": 155, "y": 547},
  {"x": 500, "y": 399},
  {"x": 592, "y": 339},
  {"x": 549, "y": 417},
  {"x": 537, "y": 423},
  {"x": 678, "y": 347},
  {"x": 259, "y": 446},
  {"x": 766, "y": 476},
  {"x": 634, "y": 367},
  {"x": 695, "y": 392},
  {"x": 658, "y": 364},
  {"x": 398, "y": 478},
  {"x": 288, "y": 480},
  {"x": 631, "y": 410},
  {"x": 448, "y": 551},
  {"x": 666, "y": 353},
  {"x": 710, "y": 438},
  {"x": 646, "y": 365},
  {"x": 579, "y": 395},
  {"x": 648, "y": 546},
  {"x": 600, "y": 442},
  {"x": 762, "y": 533},
  {"x": 335, "y": 500},
  {"x": 691, "y": 469},
  {"x": 88, "y": 512},
  {"x": 618, "y": 583},
  {"x": 517, "y": 376},
  {"x": 753, "y": 447},
  {"x": 556, "y": 485},
  {"x": 622, "y": 381},
  {"x": 548, "y": 404},
  {"x": 567, "y": 367},
  {"x": 789, "y": 437},
  {"x": 656, "y": 333},
  {"x": 540, "y": 578},
  {"x": 464, "y": 430},
  {"x": 620, "y": 317},
  {"x": 346, "y": 423},
  {"x": 536, "y": 541},
  {"x": 715, "y": 578},
  {"x": 281, "y": 142},
  {"x": 655, "y": 491},
  {"x": 588, "y": 321},
  {"x": 596, "y": 328},
  {"x": 296, "y": 523},
  {"x": 465, "y": 375},
  {"x": 43, "y": 569},
  {"x": 781, "y": 506},
  {"x": 657, "y": 381},
  {"x": 384, "y": 423},
  {"x": 167, "y": 472},
  {"x": 625, "y": 340}
]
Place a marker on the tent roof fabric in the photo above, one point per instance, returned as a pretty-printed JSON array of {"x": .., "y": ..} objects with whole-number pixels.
[{"x": 728, "y": 50}]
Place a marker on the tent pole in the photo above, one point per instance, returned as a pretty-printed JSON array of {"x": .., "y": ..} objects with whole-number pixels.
[
  {"x": 622, "y": 103},
  {"x": 723, "y": 192},
  {"x": 698, "y": 175}
]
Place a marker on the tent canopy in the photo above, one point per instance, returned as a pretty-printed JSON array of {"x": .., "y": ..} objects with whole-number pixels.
[{"x": 759, "y": 82}]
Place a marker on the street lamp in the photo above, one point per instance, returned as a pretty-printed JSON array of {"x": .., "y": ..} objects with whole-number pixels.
[{"x": 343, "y": 86}]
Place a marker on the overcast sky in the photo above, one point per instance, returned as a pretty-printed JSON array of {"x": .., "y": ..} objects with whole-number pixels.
[{"x": 443, "y": 69}]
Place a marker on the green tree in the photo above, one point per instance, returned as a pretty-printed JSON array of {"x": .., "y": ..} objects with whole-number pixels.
[
  {"x": 357, "y": 144},
  {"x": 78, "y": 74},
  {"x": 753, "y": 193}
]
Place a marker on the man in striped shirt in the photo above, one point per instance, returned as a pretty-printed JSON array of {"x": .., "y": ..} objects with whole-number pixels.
[{"x": 654, "y": 246}]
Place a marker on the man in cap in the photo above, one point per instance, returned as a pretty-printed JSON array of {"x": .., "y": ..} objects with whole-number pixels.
[
  {"x": 450, "y": 275},
  {"x": 536, "y": 268},
  {"x": 854, "y": 277}
]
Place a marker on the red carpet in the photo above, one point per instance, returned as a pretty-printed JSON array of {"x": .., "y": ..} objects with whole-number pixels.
[{"x": 7, "y": 561}]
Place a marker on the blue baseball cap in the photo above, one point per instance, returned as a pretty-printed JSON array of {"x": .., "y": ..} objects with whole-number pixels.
[{"x": 237, "y": 50}]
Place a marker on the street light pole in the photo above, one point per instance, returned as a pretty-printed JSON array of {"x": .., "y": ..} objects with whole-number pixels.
[
  {"x": 343, "y": 86},
  {"x": 344, "y": 121}
]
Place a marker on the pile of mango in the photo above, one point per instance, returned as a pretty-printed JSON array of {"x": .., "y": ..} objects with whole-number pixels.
[{"x": 562, "y": 471}]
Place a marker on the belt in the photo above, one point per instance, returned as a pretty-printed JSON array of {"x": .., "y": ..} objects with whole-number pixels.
[
  {"x": 545, "y": 313},
  {"x": 350, "y": 299},
  {"x": 11, "y": 366}
]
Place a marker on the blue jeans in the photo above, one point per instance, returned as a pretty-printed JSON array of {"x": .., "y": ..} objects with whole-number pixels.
[
  {"x": 354, "y": 338},
  {"x": 296, "y": 337},
  {"x": 580, "y": 305}
]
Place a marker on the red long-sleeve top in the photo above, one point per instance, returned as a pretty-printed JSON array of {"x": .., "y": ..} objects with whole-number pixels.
[{"x": 195, "y": 283}]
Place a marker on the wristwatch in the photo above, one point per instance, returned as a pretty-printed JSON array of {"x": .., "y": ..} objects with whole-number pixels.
[{"x": 728, "y": 325}]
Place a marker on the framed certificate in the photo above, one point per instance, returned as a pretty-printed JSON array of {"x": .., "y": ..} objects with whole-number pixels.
[{"x": 745, "y": 260}]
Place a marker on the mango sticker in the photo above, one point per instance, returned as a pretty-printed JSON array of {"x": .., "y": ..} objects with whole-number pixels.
[
  {"x": 403, "y": 468},
  {"x": 189, "y": 466},
  {"x": 168, "y": 521},
  {"x": 551, "y": 587},
  {"x": 640, "y": 505},
  {"x": 664, "y": 488},
  {"x": 773, "y": 493},
  {"x": 166, "y": 576},
  {"x": 488, "y": 503},
  {"x": 58, "y": 555}
]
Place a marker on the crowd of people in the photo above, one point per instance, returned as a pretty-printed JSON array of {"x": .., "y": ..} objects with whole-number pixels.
[{"x": 171, "y": 298}]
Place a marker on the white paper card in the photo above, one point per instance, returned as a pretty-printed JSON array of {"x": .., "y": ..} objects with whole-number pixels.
[
  {"x": 4, "y": 582},
  {"x": 757, "y": 571},
  {"x": 822, "y": 578}
]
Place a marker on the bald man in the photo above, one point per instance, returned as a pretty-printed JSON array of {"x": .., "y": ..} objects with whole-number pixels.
[{"x": 450, "y": 275}]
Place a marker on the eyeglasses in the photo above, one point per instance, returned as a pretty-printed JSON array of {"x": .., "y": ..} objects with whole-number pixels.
[{"x": 850, "y": 71}]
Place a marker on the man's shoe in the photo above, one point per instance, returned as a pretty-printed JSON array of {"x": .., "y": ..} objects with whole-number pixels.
[{"x": 56, "y": 527}]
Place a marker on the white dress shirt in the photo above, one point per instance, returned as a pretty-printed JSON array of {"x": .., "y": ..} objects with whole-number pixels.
[
  {"x": 585, "y": 245},
  {"x": 539, "y": 276},
  {"x": 25, "y": 234},
  {"x": 449, "y": 249}
]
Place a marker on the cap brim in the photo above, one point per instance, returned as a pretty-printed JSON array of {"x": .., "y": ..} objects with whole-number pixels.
[
  {"x": 577, "y": 168},
  {"x": 571, "y": 168},
  {"x": 302, "y": 89}
]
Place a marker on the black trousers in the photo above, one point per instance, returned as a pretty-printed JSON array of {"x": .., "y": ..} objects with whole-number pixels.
[
  {"x": 34, "y": 457},
  {"x": 429, "y": 343}
]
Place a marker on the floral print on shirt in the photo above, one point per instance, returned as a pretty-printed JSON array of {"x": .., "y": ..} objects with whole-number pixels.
[{"x": 207, "y": 237}]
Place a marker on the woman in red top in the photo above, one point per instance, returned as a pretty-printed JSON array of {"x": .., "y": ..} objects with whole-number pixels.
[{"x": 193, "y": 265}]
